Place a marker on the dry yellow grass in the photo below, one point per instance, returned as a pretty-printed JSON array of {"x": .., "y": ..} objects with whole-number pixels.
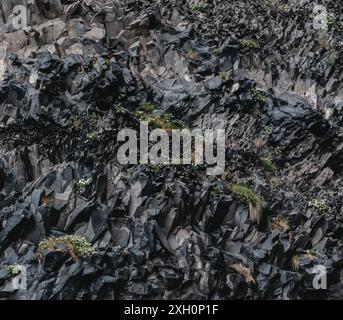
[
  {"x": 295, "y": 262},
  {"x": 46, "y": 201},
  {"x": 296, "y": 259},
  {"x": 259, "y": 143},
  {"x": 244, "y": 271},
  {"x": 310, "y": 255},
  {"x": 280, "y": 223}
]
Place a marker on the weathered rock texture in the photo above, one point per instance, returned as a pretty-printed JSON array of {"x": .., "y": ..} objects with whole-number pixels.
[{"x": 77, "y": 74}]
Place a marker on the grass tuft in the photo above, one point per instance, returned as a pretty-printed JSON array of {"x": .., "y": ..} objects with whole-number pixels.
[
  {"x": 332, "y": 57},
  {"x": 199, "y": 6},
  {"x": 267, "y": 164},
  {"x": 280, "y": 223},
  {"x": 258, "y": 96},
  {"x": 249, "y": 43},
  {"x": 82, "y": 183},
  {"x": 92, "y": 136},
  {"x": 251, "y": 199},
  {"x": 331, "y": 21},
  {"x": 13, "y": 269},
  {"x": 76, "y": 246},
  {"x": 159, "y": 121},
  {"x": 275, "y": 183},
  {"x": 148, "y": 107},
  {"x": 312, "y": 255},
  {"x": 319, "y": 204},
  {"x": 295, "y": 262},
  {"x": 244, "y": 271},
  {"x": 217, "y": 51}
]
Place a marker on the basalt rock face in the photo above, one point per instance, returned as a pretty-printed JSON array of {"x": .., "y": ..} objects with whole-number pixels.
[{"x": 78, "y": 73}]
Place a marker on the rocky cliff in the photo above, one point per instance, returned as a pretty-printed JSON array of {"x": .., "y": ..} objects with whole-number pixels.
[{"x": 73, "y": 73}]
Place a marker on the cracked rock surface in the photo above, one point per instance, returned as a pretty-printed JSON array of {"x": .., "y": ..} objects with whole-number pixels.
[{"x": 80, "y": 71}]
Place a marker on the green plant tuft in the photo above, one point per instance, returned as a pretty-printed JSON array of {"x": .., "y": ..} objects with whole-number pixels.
[
  {"x": 75, "y": 245},
  {"x": 108, "y": 62},
  {"x": 77, "y": 123},
  {"x": 224, "y": 75},
  {"x": 250, "y": 43},
  {"x": 319, "y": 204},
  {"x": 331, "y": 59},
  {"x": 275, "y": 183},
  {"x": 267, "y": 130},
  {"x": 13, "y": 269},
  {"x": 258, "y": 96},
  {"x": 159, "y": 121},
  {"x": 331, "y": 21},
  {"x": 250, "y": 198},
  {"x": 216, "y": 190},
  {"x": 148, "y": 107},
  {"x": 83, "y": 183},
  {"x": 92, "y": 136},
  {"x": 199, "y": 6},
  {"x": 120, "y": 109},
  {"x": 278, "y": 151},
  {"x": 217, "y": 51},
  {"x": 267, "y": 164}
]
